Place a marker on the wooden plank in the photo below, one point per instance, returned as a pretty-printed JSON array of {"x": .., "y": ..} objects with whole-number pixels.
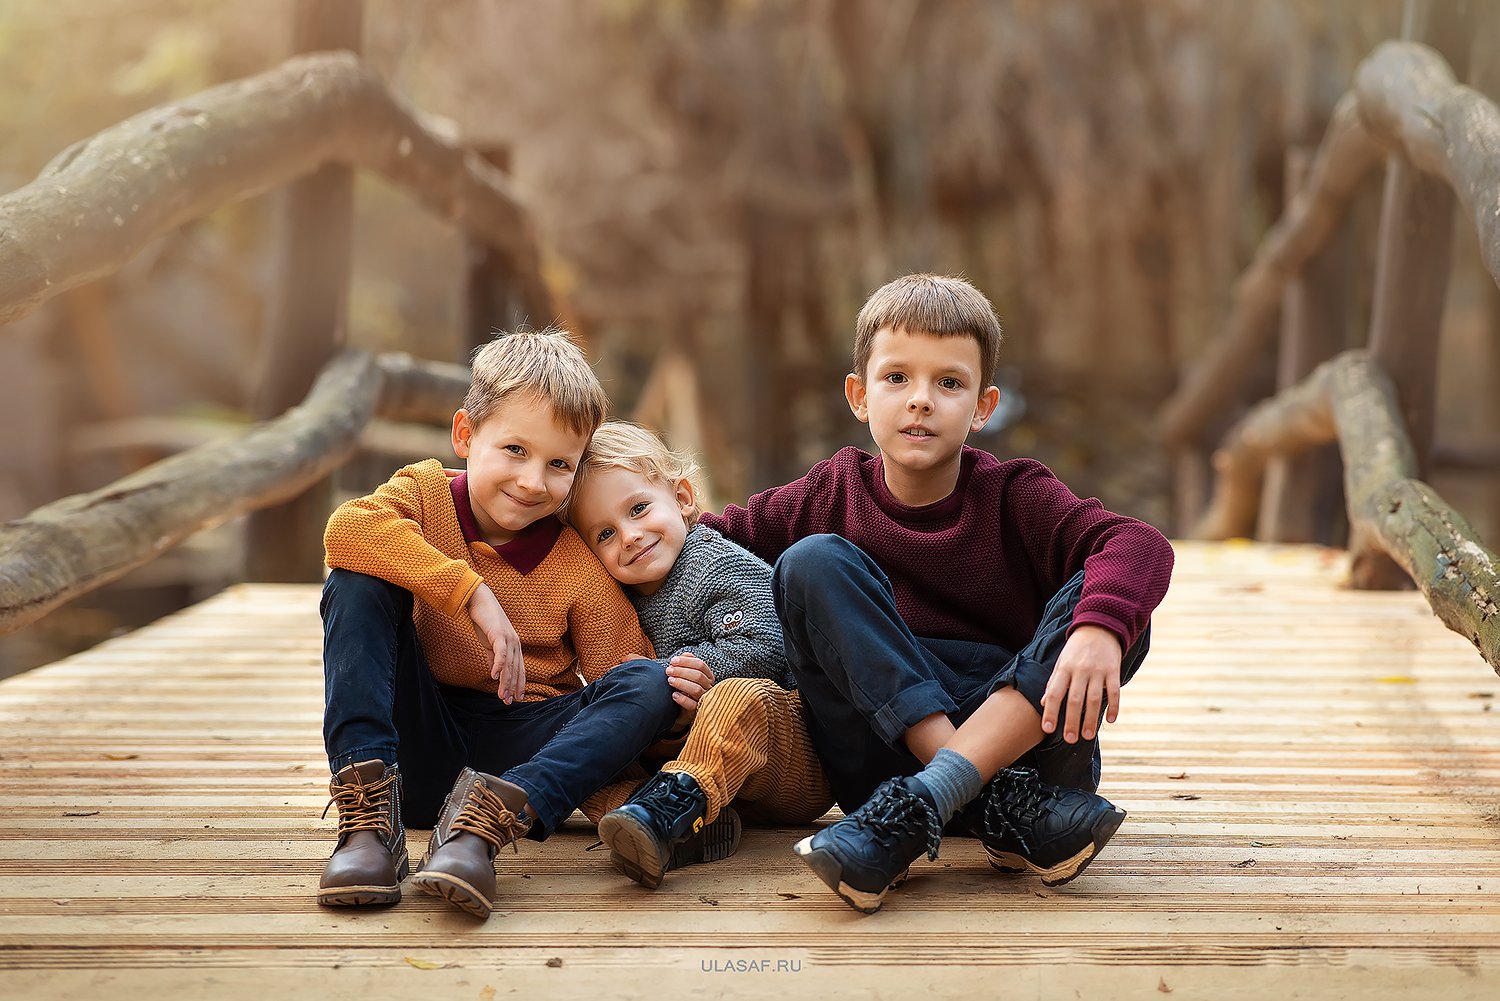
[{"x": 1312, "y": 775}]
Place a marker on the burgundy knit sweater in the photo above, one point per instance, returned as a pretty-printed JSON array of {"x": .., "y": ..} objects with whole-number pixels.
[{"x": 980, "y": 564}]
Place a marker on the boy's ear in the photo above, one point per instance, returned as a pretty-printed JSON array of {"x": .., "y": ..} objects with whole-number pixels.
[
  {"x": 463, "y": 433},
  {"x": 988, "y": 401},
  {"x": 687, "y": 501},
  {"x": 854, "y": 392}
]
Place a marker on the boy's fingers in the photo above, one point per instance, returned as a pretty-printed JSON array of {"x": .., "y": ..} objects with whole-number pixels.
[
  {"x": 1091, "y": 709},
  {"x": 1073, "y": 718},
  {"x": 1112, "y": 713}
]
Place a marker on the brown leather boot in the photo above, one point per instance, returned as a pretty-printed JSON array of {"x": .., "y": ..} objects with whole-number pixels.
[
  {"x": 369, "y": 862},
  {"x": 481, "y": 815}
]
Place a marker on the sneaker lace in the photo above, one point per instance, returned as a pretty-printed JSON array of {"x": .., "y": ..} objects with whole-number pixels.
[
  {"x": 1021, "y": 795},
  {"x": 485, "y": 815},
  {"x": 363, "y": 806},
  {"x": 895, "y": 812},
  {"x": 665, "y": 797}
]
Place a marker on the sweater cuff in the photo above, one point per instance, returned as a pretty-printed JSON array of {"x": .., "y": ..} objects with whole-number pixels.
[
  {"x": 458, "y": 601},
  {"x": 1100, "y": 619}
]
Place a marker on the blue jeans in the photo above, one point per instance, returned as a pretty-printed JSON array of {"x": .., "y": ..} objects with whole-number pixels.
[
  {"x": 866, "y": 678},
  {"x": 381, "y": 701}
]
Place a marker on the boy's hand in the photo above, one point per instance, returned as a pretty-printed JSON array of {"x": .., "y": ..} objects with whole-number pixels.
[
  {"x": 1087, "y": 673},
  {"x": 690, "y": 678},
  {"x": 492, "y": 626}
]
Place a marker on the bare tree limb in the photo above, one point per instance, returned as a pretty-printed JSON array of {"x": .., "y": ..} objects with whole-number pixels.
[
  {"x": 1351, "y": 398},
  {"x": 1404, "y": 98},
  {"x": 104, "y": 198},
  {"x": 1346, "y": 156},
  {"x": 73, "y": 545}
]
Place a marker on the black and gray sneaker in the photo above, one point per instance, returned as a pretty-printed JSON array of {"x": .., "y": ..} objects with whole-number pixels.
[
  {"x": 662, "y": 827},
  {"x": 869, "y": 851},
  {"x": 1028, "y": 825}
]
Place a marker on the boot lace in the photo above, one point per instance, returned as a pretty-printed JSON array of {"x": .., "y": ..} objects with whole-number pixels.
[
  {"x": 895, "y": 813},
  {"x": 665, "y": 797},
  {"x": 363, "y": 806},
  {"x": 485, "y": 815},
  {"x": 1020, "y": 795}
]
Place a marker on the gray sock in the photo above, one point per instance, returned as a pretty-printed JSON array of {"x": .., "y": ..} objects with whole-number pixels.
[{"x": 952, "y": 780}]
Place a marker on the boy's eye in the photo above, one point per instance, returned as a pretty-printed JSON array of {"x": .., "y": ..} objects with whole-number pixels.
[
  {"x": 560, "y": 464},
  {"x": 951, "y": 383},
  {"x": 895, "y": 378},
  {"x": 515, "y": 449},
  {"x": 638, "y": 509},
  {"x": 604, "y": 535}
]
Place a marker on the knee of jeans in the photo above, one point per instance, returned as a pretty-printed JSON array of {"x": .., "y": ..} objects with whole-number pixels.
[
  {"x": 646, "y": 677},
  {"x": 348, "y": 585},
  {"x": 811, "y": 558}
]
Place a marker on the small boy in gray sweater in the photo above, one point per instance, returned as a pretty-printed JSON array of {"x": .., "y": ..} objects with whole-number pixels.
[{"x": 635, "y": 504}]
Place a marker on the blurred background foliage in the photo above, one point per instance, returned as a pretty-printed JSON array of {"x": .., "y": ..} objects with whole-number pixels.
[{"x": 727, "y": 178}]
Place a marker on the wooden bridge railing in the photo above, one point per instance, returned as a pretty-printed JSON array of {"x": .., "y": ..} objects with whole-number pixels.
[
  {"x": 1407, "y": 105},
  {"x": 102, "y": 200}
]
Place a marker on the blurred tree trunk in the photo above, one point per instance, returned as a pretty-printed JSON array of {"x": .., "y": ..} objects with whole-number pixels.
[{"x": 307, "y": 320}]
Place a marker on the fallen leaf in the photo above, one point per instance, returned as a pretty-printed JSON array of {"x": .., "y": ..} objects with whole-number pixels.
[
  {"x": 422, "y": 964},
  {"x": 1247, "y": 864},
  {"x": 61, "y": 901},
  {"x": 1257, "y": 844},
  {"x": 710, "y": 901},
  {"x": 789, "y": 896},
  {"x": 1215, "y": 709},
  {"x": 1396, "y": 679},
  {"x": 1187, "y": 795},
  {"x": 488, "y": 994},
  {"x": 120, "y": 757},
  {"x": 1179, "y": 775},
  {"x": 80, "y": 813},
  {"x": 1161, "y": 985},
  {"x": 555, "y": 962}
]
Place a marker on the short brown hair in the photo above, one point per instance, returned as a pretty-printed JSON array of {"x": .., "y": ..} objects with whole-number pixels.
[
  {"x": 544, "y": 362},
  {"x": 623, "y": 445},
  {"x": 930, "y": 304}
]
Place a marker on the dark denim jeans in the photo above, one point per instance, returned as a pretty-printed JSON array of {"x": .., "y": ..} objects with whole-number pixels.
[
  {"x": 866, "y": 678},
  {"x": 381, "y": 701}
]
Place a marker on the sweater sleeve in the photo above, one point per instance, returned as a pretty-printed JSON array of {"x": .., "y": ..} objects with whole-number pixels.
[
  {"x": 1126, "y": 563},
  {"x": 382, "y": 535},
  {"x": 737, "y": 615},
  {"x": 603, "y": 625}
]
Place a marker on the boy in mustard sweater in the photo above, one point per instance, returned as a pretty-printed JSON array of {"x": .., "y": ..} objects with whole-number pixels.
[{"x": 470, "y": 635}]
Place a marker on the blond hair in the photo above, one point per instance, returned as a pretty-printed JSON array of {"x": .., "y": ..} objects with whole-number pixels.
[
  {"x": 544, "y": 362},
  {"x": 930, "y": 304},
  {"x": 624, "y": 445}
]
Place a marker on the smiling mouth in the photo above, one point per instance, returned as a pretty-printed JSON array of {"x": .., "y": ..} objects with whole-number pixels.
[
  {"x": 918, "y": 432},
  {"x": 522, "y": 503},
  {"x": 640, "y": 554}
]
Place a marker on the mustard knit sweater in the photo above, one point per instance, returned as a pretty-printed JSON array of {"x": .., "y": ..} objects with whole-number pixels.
[{"x": 574, "y": 621}]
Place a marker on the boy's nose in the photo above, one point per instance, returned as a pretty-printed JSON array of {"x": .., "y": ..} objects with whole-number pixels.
[{"x": 919, "y": 401}]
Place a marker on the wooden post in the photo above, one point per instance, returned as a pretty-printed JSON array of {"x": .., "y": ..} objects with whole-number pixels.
[
  {"x": 1302, "y": 494},
  {"x": 492, "y": 297},
  {"x": 1411, "y": 268},
  {"x": 307, "y": 315}
]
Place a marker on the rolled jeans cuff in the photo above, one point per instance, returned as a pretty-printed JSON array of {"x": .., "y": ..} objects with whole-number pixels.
[{"x": 909, "y": 707}]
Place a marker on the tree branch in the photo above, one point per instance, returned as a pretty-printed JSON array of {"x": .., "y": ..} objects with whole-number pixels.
[
  {"x": 78, "y": 543},
  {"x": 104, "y": 198}
]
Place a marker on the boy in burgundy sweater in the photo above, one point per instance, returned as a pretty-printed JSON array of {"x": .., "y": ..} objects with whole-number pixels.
[{"x": 948, "y": 615}]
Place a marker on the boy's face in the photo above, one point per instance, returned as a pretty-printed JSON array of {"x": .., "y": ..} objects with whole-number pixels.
[
  {"x": 922, "y": 395},
  {"x": 521, "y": 464},
  {"x": 634, "y": 524}
]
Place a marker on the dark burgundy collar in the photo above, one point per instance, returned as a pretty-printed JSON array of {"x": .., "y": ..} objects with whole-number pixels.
[{"x": 526, "y": 551}]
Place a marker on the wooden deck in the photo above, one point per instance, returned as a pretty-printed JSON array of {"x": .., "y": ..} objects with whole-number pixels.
[{"x": 1312, "y": 775}]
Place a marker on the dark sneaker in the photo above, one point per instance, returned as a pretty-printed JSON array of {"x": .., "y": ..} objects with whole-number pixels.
[
  {"x": 1029, "y": 826},
  {"x": 369, "y": 862},
  {"x": 662, "y": 827},
  {"x": 871, "y": 850},
  {"x": 481, "y": 815}
]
